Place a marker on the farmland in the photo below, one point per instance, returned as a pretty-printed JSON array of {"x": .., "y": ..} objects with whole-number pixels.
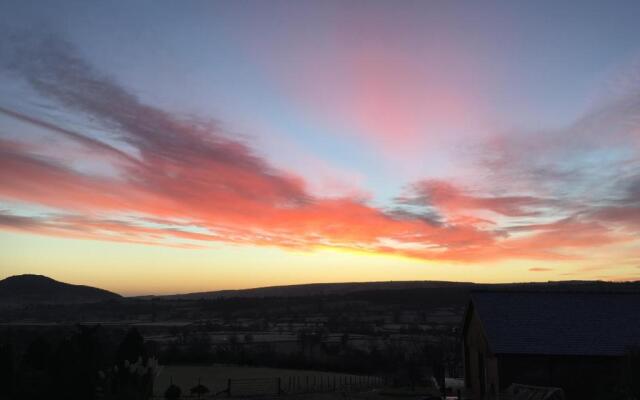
[
  {"x": 216, "y": 376},
  {"x": 401, "y": 336}
]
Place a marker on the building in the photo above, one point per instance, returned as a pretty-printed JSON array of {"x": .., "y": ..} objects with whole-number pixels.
[{"x": 580, "y": 342}]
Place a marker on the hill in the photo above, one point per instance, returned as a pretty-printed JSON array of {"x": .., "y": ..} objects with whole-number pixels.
[
  {"x": 395, "y": 288},
  {"x": 31, "y": 289},
  {"x": 353, "y": 305},
  {"x": 314, "y": 289}
]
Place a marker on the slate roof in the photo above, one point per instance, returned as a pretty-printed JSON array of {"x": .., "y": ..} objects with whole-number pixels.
[{"x": 559, "y": 323}]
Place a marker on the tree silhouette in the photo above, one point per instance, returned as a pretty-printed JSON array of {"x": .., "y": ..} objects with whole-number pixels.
[
  {"x": 38, "y": 354},
  {"x": 199, "y": 390},
  {"x": 633, "y": 371},
  {"x": 6, "y": 371},
  {"x": 173, "y": 392},
  {"x": 132, "y": 348},
  {"x": 132, "y": 376}
]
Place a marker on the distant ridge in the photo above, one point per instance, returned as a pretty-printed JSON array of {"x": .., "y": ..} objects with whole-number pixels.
[
  {"x": 315, "y": 289},
  {"x": 328, "y": 289},
  {"x": 32, "y": 289}
]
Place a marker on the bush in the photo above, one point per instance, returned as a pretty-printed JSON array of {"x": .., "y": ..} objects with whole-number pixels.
[{"x": 173, "y": 392}]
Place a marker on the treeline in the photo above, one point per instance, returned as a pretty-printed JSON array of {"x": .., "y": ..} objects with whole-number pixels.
[
  {"x": 84, "y": 363},
  {"x": 402, "y": 363}
]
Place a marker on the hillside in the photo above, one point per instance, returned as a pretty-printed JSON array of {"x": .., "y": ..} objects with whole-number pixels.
[
  {"x": 315, "y": 289},
  {"x": 30, "y": 289},
  {"x": 338, "y": 302},
  {"x": 391, "y": 288}
]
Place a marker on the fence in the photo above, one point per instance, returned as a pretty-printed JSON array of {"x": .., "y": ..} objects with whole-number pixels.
[
  {"x": 294, "y": 385},
  {"x": 301, "y": 384}
]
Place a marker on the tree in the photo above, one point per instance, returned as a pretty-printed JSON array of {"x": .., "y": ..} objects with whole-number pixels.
[
  {"x": 6, "y": 371},
  {"x": 34, "y": 380},
  {"x": 132, "y": 376},
  {"x": 131, "y": 348},
  {"x": 173, "y": 392},
  {"x": 199, "y": 390},
  {"x": 38, "y": 354},
  {"x": 633, "y": 372},
  {"x": 199, "y": 348}
]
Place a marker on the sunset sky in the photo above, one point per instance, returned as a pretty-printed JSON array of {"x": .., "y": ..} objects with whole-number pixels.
[{"x": 168, "y": 147}]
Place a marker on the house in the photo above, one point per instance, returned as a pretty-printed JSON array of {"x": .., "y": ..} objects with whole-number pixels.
[{"x": 580, "y": 342}]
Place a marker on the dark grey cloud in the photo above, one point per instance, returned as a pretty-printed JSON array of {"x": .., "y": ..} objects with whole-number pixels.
[
  {"x": 169, "y": 147},
  {"x": 10, "y": 220}
]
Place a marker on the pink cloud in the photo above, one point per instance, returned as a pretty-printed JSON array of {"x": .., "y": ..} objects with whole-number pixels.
[
  {"x": 452, "y": 200},
  {"x": 193, "y": 172},
  {"x": 389, "y": 92}
]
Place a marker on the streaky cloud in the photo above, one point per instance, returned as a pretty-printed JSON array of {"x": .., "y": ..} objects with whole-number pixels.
[{"x": 190, "y": 172}]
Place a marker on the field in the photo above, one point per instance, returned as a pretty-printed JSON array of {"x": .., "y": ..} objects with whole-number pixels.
[{"x": 215, "y": 376}]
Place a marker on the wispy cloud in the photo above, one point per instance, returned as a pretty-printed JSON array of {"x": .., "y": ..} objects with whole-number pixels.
[
  {"x": 186, "y": 182},
  {"x": 446, "y": 196}
]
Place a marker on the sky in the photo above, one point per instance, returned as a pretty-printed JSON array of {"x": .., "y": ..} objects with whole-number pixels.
[{"x": 171, "y": 147}]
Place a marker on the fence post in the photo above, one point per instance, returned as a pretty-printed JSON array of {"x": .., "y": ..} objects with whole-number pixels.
[
  {"x": 307, "y": 383},
  {"x": 279, "y": 386},
  {"x": 229, "y": 387}
]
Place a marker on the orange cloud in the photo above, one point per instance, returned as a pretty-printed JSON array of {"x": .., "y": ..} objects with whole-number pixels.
[{"x": 186, "y": 183}]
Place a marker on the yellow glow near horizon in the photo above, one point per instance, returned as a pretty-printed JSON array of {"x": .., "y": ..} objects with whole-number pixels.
[
  {"x": 133, "y": 269},
  {"x": 419, "y": 151}
]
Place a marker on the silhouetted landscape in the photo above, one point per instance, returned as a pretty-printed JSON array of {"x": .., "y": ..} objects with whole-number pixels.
[
  {"x": 35, "y": 289},
  {"x": 386, "y": 334}
]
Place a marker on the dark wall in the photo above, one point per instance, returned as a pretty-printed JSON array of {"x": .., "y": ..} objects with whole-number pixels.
[
  {"x": 481, "y": 368},
  {"x": 581, "y": 377}
]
